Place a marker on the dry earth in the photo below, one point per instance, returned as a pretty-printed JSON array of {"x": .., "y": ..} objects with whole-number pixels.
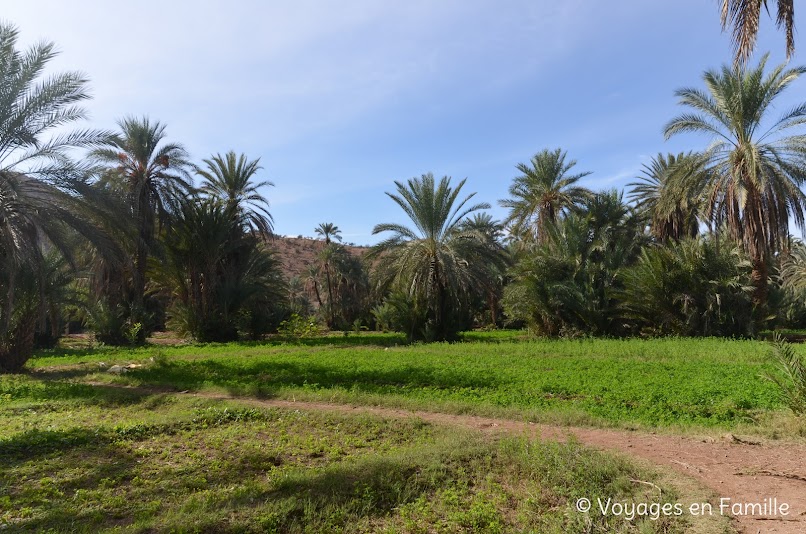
[{"x": 296, "y": 254}]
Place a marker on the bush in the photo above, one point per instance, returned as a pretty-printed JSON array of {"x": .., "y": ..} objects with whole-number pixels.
[
  {"x": 296, "y": 327},
  {"x": 696, "y": 287},
  {"x": 399, "y": 313},
  {"x": 117, "y": 324},
  {"x": 790, "y": 375}
]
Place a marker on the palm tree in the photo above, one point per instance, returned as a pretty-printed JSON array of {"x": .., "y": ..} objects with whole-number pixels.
[
  {"x": 312, "y": 282},
  {"x": 742, "y": 16},
  {"x": 217, "y": 273},
  {"x": 662, "y": 198},
  {"x": 543, "y": 192},
  {"x": 328, "y": 231},
  {"x": 492, "y": 231},
  {"x": 36, "y": 174},
  {"x": 690, "y": 287},
  {"x": 435, "y": 263},
  {"x": 297, "y": 299},
  {"x": 228, "y": 179},
  {"x": 568, "y": 283},
  {"x": 755, "y": 167},
  {"x": 156, "y": 175}
]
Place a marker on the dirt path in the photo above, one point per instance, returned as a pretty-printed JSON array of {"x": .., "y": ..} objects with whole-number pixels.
[
  {"x": 745, "y": 472},
  {"x": 742, "y": 471}
]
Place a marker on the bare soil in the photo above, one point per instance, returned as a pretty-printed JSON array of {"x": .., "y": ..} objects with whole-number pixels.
[{"x": 296, "y": 254}]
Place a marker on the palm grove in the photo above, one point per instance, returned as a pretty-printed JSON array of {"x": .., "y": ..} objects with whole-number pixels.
[{"x": 121, "y": 233}]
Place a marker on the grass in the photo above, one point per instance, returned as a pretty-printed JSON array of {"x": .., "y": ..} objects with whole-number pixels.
[
  {"x": 93, "y": 459},
  {"x": 663, "y": 383}
]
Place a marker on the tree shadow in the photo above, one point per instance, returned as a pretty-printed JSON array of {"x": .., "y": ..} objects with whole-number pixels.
[
  {"x": 333, "y": 496},
  {"x": 81, "y": 480},
  {"x": 266, "y": 377},
  {"x": 52, "y": 386},
  {"x": 84, "y": 464}
]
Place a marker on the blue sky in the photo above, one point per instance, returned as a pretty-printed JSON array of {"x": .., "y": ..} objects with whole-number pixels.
[{"x": 340, "y": 99}]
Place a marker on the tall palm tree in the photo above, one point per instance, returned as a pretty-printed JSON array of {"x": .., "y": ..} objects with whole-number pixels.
[
  {"x": 156, "y": 175},
  {"x": 436, "y": 262},
  {"x": 483, "y": 225},
  {"x": 662, "y": 198},
  {"x": 756, "y": 166},
  {"x": 328, "y": 231},
  {"x": 542, "y": 193},
  {"x": 228, "y": 178},
  {"x": 742, "y": 16},
  {"x": 312, "y": 282},
  {"x": 36, "y": 174}
]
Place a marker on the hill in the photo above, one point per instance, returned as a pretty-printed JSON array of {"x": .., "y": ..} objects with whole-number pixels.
[{"x": 298, "y": 253}]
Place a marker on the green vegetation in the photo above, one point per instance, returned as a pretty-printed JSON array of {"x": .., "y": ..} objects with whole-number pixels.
[
  {"x": 433, "y": 268},
  {"x": 790, "y": 375},
  {"x": 101, "y": 459},
  {"x": 742, "y": 18},
  {"x": 119, "y": 240},
  {"x": 132, "y": 237},
  {"x": 659, "y": 383},
  {"x": 754, "y": 166}
]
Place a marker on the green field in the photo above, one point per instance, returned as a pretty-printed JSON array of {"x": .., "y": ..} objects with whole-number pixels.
[
  {"x": 80, "y": 453},
  {"x": 703, "y": 383}
]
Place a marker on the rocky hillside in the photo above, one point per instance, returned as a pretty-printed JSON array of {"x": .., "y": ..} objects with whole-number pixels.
[{"x": 297, "y": 254}]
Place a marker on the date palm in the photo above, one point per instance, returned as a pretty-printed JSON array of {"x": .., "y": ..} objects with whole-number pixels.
[
  {"x": 229, "y": 178},
  {"x": 756, "y": 166},
  {"x": 329, "y": 232},
  {"x": 542, "y": 193},
  {"x": 156, "y": 175},
  {"x": 36, "y": 176},
  {"x": 217, "y": 272},
  {"x": 742, "y": 16},
  {"x": 436, "y": 262},
  {"x": 663, "y": 199}
]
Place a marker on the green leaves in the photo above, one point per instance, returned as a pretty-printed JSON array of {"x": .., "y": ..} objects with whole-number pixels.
[
  {"x": 439, "y": 262},
  {"x": 543, "y": 193},
  {"x": 228, "y": 179},
  {"x": 36, "y": 176},
  {"x": 789, "y": 375},
  {"x": 751, "y": 174}
]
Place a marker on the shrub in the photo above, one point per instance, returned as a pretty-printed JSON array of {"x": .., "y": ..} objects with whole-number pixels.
[
  {"x": 790, "y": 375},
  {"x": 695, "y": 287},
  {"x": 297, "y": 327}
]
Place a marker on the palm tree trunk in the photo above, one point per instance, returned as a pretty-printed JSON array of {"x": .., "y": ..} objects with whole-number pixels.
[
  {"x": 329, "y": 295},
  {"x": 316, "y": 292},
  {"x": 754, "y": 233},
  {"x": 492, "y": 304},
  {"x": 141, "y": 258},
  {"x": 18, "y": 347},
  {"x": 759, "y": 278},
  {"x": 9, "y": 307}
]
